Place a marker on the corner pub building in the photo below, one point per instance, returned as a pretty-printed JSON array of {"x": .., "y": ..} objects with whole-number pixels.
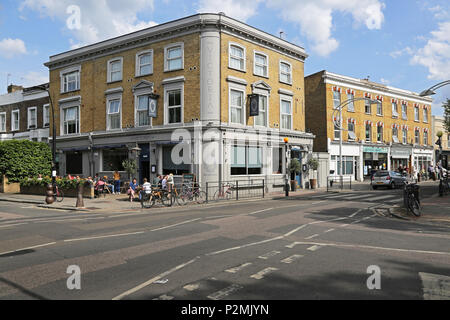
[{"x": 198, "y": 75}]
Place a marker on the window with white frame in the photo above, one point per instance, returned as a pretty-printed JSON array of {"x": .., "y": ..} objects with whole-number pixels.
[
  {"x": 379, "y": 107},
  {"x": 351, "y": 104},
  {"x": 337, "y": 132},
  {"x": 173, "y": 56},
  {"x": 3, "y": 122},
  {"x": 285, "y": 72},
  {"x": 237, "y": 57},
  {"x": 417, "y": 136},
  {"x": 368, "y": 132},
  {"x": 261, "y": 67},
  {"x": 395, "y": 134},
  {"x": 246, "y": 160},
  {"x": 71, "y": 120},
  {"x": 416, "y": 113},
  {"x": 380, "y": 132},
  {"x": 425, "y": 115},
  {"x": 237, "y": 110},
  {"x": 46, "y": 116},
  {"x": 425, "y": 138},
  {"x": 174, "y": 106},
  {"x": 394, "y": 109},
  {"x": 351, "y": 130},
  {"x": 404, "y": 111},
  {"x": 115, "y": 70},
  {"x": 113, "y": 114},
  {"x": 336, "y": 99},
  {"x": 261, "y": 119},
  {"x": 286, "y": 114},
  {"x": 367, "y": 107},
  {"x": 32, "y": 118},
  {"x": 405, "y": 136},
  {"x": 142, "y": 118},
  {"x": 70, "y": 81},
  {"x": 15, "y": 120},
  {"x": 144, "y": 63}
]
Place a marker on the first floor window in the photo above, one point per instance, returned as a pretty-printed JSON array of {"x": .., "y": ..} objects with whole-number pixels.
[
  {"x": 286, "y": 114},
  {"x": 368, "y": 132},
  {"x": 15, "y": 120},
  {"x": 425, "y": 138},
  {"x": 261, "y": 119},
  {"x": 71, "y": 81},
  {"x": 237, "y": 58},
  {"x": 351, "y": 131},
  {"x": 237, "y": 106},
  {"x": 337, "y": 132},
  {"x": 285, "y": 73},
  {"x": 277, "y": 160},
  {"x": 416, "y": 113},
  {"x": 261, "y": 65},
  {"x": 174, "y": 106},
  {"x": 32, "y": 119},
  {"x": 351, "y": 104},
  {"x": 425, "y": 115},
  {"x": 417, "y": 137},
  {"x": 71, "y": 117},
  {"x": 405, "y": 136},
  {"x": 114, "y": 114},
  {"x": 142, "y": 117},
  {"x": 46, "y": 115},
  {"x": 394, "y": 109},
  {"x": 404, "y": 112},
  {"x": 174, "y": 58},
  {"x": 115, "y": 70},
  {"x": 336, "y": 99},
  {"x": 145, "y": 65},
  {"x": 368, "y": 107},
  {"x": 2, "y": 122},
  {"x": 395, "y": 135},
  {"x": 113, "y": 159},
  {"x": 246, "y": 160},
  {"x": 380, "y": 133},
  {"x": 379, "y": 108}
]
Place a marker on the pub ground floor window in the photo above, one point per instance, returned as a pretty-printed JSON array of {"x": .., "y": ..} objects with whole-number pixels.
[
  {"x": 74, "y": 163},
  {"x": 170, "y": 167},
  {"x": 113, "y": 158},
  {"x": 396, "y": 163},
  {"x": 348, "y": 164},
  {"x": 277, "y": 160},
  {"x": 246, "y": 160},
  {"x": 373, "y": 162}
]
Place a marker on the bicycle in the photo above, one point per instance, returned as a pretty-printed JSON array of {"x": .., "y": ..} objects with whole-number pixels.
[
  {"x": 179, "y": 198},
  {"x": 225, "y": 192},
  {"x": 412, "y": 200},
  {"x": 193, "y": 193},
  {"x": 58, "y": 194},
  {"x": 444, "y": 187},
  {"x": 148, "y": 200}
]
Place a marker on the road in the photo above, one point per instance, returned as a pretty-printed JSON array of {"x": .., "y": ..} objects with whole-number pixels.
[{"x": 324, "y": 246}]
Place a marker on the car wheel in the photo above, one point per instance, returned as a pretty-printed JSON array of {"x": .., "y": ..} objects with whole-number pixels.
[
  {"x": 374, "y": 187},
  {"x": 392, "y": 185}
]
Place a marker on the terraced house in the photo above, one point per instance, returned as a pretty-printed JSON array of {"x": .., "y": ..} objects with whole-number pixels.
[
  {"x": 199, "y": 74},
  {"x": 24, "y": 114},
  {"x": 394, "y": 132}
]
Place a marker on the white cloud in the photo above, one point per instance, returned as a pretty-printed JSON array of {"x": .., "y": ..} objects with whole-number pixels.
[
  {"x": 33, "y": 78},
  {"x": 9, "y": 48},
  {"x": 399, "y": 53},
  {"x": 435, "y": 55},
  {"x": 100, "y": 19},
  {"x": 384, "y": 81},
  {"x": 439, "y": 12},
  {"x": 316, "y": 21},
  {"x": 237, "y": 9}
]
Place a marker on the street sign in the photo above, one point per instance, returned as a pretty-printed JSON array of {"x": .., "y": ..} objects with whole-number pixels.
[{"x": 254, "y": 105}]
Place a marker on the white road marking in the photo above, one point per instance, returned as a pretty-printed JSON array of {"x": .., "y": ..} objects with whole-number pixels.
[
  {"x": 12, "y": 225},
  {"x": 259, "y": 211},
  {"x": 260, "y": 275},
  {"x": 149, "y": 282},
  {"x": 329, "y": 230},
  {"x": 106, "y": 236},
  {"x": 435, "y": 286},
  {"x": 313, "y": 236},
  {"x": 383, "y": 197},
  {"x": 219, "y": 295},
  {"x": 314, "y": 248},
  {"x": 269, "y": 255},
  {"x": 318, "y": 202},
  {"x": 28, "y": 248},
  {"x": 245, "y": 246},
  {"x": 191, "y": 287},
  {"x": 238, "y": 268},
  {"x": 292, "y": 258},
  {"x": 164, "y": 297},
  {"x": 174, "y": 225},
  {"x": 343, "y": 225},
  {"x": 354, "y": 214}
]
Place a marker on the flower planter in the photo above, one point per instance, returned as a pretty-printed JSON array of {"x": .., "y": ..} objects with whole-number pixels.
[
  {"x": 6, "y": 187},
  {"x": 313, "y": 183}
]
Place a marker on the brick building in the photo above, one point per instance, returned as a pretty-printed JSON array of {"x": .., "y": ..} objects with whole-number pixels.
[
  {"x": 24, "y": 114},
  {"x": 189, "y": 79},
  {"x": 394, "y": 132},
  {"x": 438, "y": 125}
]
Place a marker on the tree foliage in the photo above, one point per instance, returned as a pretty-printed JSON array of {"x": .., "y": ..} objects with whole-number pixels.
[
  {"x": 21, "y": 159},
  {"x": 446, "y": 107}
]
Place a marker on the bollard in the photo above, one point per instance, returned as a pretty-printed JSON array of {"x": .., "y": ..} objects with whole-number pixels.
[{"x": 49, "y": 199}]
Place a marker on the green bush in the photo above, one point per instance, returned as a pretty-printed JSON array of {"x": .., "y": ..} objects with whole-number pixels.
[
  {"x": 21, "y": 159},
  {"x": 63, "y": 183}
]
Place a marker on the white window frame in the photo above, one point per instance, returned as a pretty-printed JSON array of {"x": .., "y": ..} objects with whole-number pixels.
[
  {"x": 110, "y": 62},
  {"x": 244, "y": 104},
  {"x": 109, "y": 98},
  {"x": 351, "y": 103},
  {"x": 266, "y": 95},
  {"x": 404, "y": 137},
  {"x": 62, "y": 122},
  {"x": 138, "y": 63},
  {"x": 13, "y": 128},
  {"x": 405, "y": 116},
  {"x": 254, "y": 64},
  {"x": 290, "y": 100},
  {"x": 281, "y": 73},
  {"x": 425, "y": 138},
  {"x": 417, "y": 137},
  {"x": 379, "y": 107},
  {"x": 136, "y": 104},
  {"x": 425, "y": 115},
  {"x": 29, "y": 124},
  {"x": 416, "y": 114},
  {"x": 348, "y": 130},
  {"x": 167, "y": 89},
  {"x": 395, "y": 135},
  {"x": 394, "y": 110},
  {"x": 64, "y": 73},
  {"x": 44, "y": 123},
  {"x": 370, "y": 132},
  {"x": 3, "y": 123},
  {"x": 233, "y": 44},
  {"x": 166, "y": 50},
  {"x": 382, "y": 133}
]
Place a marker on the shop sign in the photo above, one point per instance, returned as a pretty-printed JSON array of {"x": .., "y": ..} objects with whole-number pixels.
[{"x": 375, "y": 149}]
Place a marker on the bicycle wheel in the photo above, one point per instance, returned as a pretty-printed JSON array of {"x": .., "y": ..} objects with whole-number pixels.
[
  {"x": 200, "y": 197},
  {"x": 147, "y": 201},
  {"x": 182, "y": 199},
  {"x": 166, "y": 200},
  {"x": 414, "y": 205},
  {"x": 60, "y": 196}
]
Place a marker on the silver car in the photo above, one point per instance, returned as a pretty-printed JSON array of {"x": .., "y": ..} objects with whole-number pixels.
[{"x": 389, "y": 179}]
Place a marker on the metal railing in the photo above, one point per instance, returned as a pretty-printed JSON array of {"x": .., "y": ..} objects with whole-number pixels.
[
  {"x": 235, "y": 190},
  {"x": 339, "y": 182}
]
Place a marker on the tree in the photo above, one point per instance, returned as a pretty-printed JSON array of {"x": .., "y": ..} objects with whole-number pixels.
[
  {"x": 446, "y": 107},
  {"x": 130, "y": 167}
]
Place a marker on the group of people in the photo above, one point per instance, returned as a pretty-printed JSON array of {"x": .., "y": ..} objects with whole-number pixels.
[
  {"x": 103, "y": 182},
  {"x": 160, "y": 182}
]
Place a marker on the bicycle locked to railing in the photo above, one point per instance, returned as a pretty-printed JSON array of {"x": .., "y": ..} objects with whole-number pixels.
[
  {"x": 411, "y": 198},
  {"x": 444, "y": 185}
]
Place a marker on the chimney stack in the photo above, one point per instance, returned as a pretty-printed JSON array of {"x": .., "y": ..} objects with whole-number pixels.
[{"x": 13, "y": 88}]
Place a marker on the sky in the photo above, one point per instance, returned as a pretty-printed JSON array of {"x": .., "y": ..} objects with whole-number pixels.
[{"x": 400, "y": 43}]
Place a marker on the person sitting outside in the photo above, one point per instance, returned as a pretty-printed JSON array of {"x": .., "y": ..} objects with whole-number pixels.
[
  {"x": 164, "y": 183},
  {"x": 108, "y": 185},
  {"x": 170, "y": 182},
  {"x": 99, "y": 185},
  {"x": 146, "y": 189},
  {"x": 116, "y": 182},
  {"x": 132, "y": 189},
  {"x": 156, "y": 181}
]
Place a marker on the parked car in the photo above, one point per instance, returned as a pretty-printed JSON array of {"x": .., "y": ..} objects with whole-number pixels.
[{"x": 384, "y": 178}]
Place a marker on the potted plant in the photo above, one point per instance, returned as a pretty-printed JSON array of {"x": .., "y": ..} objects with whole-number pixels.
[
  {"x": 130, "y": 166},
  {"x": 295, "y": 168},
  {"x": 313, "y": 165}
]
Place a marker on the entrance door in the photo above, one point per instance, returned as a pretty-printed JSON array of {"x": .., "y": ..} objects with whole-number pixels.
[{"x": 296, "y": 154}]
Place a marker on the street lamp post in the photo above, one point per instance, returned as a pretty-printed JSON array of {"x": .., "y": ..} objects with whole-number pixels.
[{"x": 338, "y": 124}]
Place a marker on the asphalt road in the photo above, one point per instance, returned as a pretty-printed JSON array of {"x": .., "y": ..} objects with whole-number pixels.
[{"x": 320, "y": 247}]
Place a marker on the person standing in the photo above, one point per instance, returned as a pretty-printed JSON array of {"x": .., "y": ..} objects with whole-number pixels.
[
  {"x": 117, "y": 182},
  {"x": 170, "y": 182}
]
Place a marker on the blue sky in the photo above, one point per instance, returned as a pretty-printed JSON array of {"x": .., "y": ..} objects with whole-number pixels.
[{"x": 401, "y": 43}]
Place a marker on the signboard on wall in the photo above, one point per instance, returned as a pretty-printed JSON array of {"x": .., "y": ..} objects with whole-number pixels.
[{"x": 152, "y": 107}]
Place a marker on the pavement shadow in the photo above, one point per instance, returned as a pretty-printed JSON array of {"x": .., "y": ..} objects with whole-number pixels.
[{"x": 23, "y": 290}]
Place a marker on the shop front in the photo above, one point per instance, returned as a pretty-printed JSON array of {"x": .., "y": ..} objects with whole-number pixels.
[
  {"x": 400, "y": 158},
  {"x": 375, "y": 158},
  {"x": 422, "y": 158},
  {"x": 350, "y": 160}
]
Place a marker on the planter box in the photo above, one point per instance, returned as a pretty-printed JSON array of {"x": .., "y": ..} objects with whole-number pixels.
[
  {"x": 69, "y": 193},
  {"x": 9, "y": 188}
]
